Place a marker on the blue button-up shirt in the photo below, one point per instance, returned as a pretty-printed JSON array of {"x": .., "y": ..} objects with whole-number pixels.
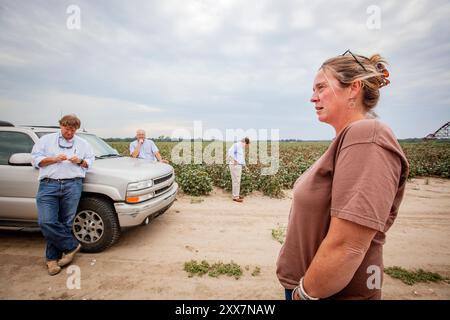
[
  {"x": 148, "y": 149},
  {"x": 49, "y": 146},
  {"x": 236, "y": 152}
]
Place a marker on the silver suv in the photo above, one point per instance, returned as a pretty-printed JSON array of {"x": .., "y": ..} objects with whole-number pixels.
[{"x": 118, "y": 191}]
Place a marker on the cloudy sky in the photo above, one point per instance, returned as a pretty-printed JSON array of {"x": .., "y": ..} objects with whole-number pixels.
[{"x": 160, "y": 65}]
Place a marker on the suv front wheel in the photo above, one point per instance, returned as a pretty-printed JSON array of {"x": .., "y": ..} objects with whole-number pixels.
[{"x": 96, "y": 225}]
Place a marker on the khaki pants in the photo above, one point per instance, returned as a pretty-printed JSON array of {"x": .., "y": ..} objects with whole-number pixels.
[{"x": 236, "y": 172}]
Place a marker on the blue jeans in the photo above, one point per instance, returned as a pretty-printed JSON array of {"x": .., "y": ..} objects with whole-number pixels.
[
  {"x": 57, "y": 203},
  {"x": 288, "y": 294}
]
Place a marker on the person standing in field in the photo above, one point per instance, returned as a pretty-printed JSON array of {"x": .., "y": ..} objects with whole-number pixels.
[
  {"x": 236, "y": 157},
  {"x": 344, "y": 204},
  {"x": 145, "y": 148}
]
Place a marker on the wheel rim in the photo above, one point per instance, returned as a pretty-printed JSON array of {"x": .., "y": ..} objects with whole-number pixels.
[{"x": 88, "y": 226}]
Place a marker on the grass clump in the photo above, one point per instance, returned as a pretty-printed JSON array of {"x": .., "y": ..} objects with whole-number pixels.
[
  {"x": 411, "y": 277},
  {"x": 193, "y": 267},
  {"x": 256, "y": 271},
  {"x": 230, "y": 269},
  {"x": 213, "y": 270},
  {"x": 279, "y": 234},
  {"x": 197, "y": 200}
]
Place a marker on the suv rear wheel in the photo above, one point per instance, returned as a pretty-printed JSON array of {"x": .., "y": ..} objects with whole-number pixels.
[{"x": 96, "y": 225}]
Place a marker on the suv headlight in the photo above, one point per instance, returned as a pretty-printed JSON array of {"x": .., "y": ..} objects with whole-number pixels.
[
  {"x": 140, "y": 185},
  {"x": 137, "y": 199}
]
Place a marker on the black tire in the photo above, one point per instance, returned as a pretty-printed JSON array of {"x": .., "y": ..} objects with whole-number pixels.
[{"x": 96, "y": 225}]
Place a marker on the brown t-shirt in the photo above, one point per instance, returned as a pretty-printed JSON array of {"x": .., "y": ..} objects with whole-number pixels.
[{"x": 360, "y": 178}]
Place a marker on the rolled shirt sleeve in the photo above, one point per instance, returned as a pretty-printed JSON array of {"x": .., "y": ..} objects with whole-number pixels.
[
  {"x": 89, "y": 155},
  {"x": 230, "y": 152},
  {"x": 233, "y": 153},
  {"x": 132, "y": 147},
  {"x": 154, "y": 147},
  {"x": 365, "y": 183},
  {"x": 38, "y": 153}
]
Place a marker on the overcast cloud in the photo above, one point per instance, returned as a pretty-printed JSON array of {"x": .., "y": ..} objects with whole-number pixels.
[{"x": 160, "y": 65}]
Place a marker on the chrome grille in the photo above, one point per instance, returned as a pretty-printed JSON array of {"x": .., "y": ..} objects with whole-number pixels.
[
  {"x": 162, "y": 179},
  {"x": 162, "y": 190}
]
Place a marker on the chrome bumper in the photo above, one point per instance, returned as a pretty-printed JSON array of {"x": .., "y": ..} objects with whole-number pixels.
[{"x": 134, "y": 214}]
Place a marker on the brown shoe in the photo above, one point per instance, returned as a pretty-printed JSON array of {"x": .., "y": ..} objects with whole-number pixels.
[
  {"x": 68, "y": 257},
  {"x": 238, "y": 200},
  {"x": 53, "y": 267}
]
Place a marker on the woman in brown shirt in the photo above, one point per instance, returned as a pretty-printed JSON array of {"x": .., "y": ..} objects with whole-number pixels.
[{"x": 345, "y": 202}]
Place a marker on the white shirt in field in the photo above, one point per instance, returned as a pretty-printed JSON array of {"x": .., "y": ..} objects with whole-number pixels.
[
  {"x": 51, "y": 145},
  {"x": 237, "y": 153},
  {"x": 147, "y": 151}
]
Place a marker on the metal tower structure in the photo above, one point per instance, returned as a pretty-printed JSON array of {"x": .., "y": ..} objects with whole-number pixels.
[{"x": 441, "y": 133}]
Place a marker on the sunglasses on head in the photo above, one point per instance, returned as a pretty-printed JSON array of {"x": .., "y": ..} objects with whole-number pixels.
[
  {"x": 354, "y": 57},
  {"x": 379, "y": 66}
]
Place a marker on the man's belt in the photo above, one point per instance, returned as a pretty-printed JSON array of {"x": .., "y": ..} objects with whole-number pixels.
[{"x": 61, "y": 180}]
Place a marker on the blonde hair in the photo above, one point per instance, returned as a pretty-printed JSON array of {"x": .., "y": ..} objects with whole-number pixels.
[
  {"x": 70, "y": 120},
  {"x": 371, "y": 72}
]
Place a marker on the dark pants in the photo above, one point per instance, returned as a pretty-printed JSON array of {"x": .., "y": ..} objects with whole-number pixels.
[
  {"x": 288, "y": 294},
  {"x": 57, "y": 203}
]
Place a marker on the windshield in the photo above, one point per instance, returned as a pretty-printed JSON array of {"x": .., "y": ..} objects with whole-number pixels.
[
  {"x": 43, "y": 133},
  {"x": 100, "y": 147}
]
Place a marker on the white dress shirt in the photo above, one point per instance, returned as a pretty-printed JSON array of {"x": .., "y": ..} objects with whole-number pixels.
[
  {"x": 236, "y": 152},
  {"x": 50, "y": 145},
  {"x": 147, "y": 151}
]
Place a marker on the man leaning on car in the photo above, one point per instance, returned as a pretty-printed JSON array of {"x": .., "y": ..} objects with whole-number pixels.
[
  {"x": 143, "y": 148},
  {"x": 62, "y": 159}
]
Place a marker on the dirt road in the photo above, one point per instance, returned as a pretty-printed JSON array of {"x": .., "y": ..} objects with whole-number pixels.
[{"x": 147, "y": 262}]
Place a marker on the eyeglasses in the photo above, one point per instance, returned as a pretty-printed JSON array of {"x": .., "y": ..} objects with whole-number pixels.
[
  {"x": 356, "y": 59},
  {"x": 380, "y": 67},
  {"x": 63, "y": 143}
]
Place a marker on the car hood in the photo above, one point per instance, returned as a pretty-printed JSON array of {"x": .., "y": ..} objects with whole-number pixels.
[{"x": 127, "y": 168}]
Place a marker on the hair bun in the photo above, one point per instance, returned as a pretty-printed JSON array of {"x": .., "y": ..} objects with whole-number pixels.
[{"x": 379, "y": 63}]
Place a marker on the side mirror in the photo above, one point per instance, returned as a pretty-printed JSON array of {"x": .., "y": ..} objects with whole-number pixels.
[{"x": 20, "y": 159}]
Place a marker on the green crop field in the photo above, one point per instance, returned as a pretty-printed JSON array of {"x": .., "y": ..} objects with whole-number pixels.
[{"x": 427, "y": 158}]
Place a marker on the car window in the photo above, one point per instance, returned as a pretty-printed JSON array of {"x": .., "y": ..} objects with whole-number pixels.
[
  {"x": 99, "y": 146},
  {"x": 40, "y": 134},
  {"x": 13, "y": 142}
]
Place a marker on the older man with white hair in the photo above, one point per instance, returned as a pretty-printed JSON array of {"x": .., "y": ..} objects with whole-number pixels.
[{"x": 145, "y": 148}]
